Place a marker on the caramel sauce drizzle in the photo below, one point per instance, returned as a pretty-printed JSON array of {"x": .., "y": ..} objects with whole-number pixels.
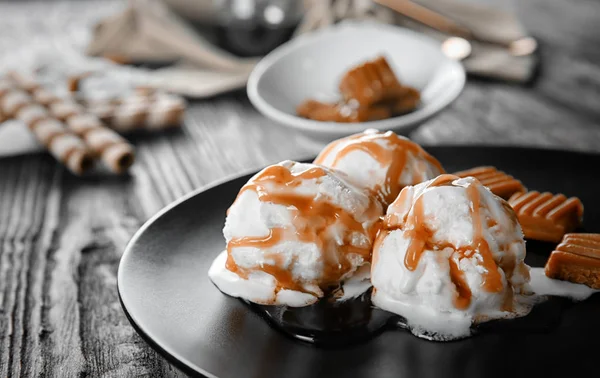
[
  {"x": 394, "y": 156},
  {"x": 311, "y": 221},
  {"x": 416, "y": 229}
]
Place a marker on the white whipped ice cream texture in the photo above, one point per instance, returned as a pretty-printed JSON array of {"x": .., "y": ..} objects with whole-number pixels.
[
  {"x": 450, "y": 254},
  {"x": 383, "y": 162},
  {"x": 294, "y": 231}
]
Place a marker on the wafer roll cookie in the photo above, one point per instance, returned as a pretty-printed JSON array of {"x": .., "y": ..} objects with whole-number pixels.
[
  {"x": 129, "y": 117},
  {"x": 24, "y": 81},
  {"x": 64, "y": 109},
  {"x": 44, "y": 97},
  {"x": 72, "y": 151},
  {"x": 64, "y": 146},
  {"x": 31, "y": 114},
  {"x": 104, "y": 111},
  {"x": 13, "y": 101},
  {"x": 167, "y": 112},
  {"x": 114, "y": 150},
  {"x": 5, "y": 86}
]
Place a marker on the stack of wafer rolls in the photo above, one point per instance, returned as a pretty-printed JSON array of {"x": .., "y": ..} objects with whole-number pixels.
[
  {"x": 63, "y": 125},
  {"x": 156, "y": 111},
  {"x": 116, "y": 153},
  {"x": 63, "y": 144},
  {"x": 146, "y": 108}
]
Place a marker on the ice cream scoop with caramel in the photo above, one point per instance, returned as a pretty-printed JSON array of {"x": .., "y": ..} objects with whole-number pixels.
[
  {"x": 382, "y": 162},
  {"x": 450, "y": 254},
  {"x": 295, "y": 232}
]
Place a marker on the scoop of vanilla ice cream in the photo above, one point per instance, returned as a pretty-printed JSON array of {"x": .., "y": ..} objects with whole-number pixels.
[
  {"x": 450, "y": 253},
  {"x": 382, "y": 162},
  {"x": 293, "y": 231}
]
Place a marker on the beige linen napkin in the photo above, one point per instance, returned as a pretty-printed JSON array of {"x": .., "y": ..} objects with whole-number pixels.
[{"x": 148, "y": 30}]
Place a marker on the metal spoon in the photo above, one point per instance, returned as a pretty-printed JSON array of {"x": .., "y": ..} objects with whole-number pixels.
[{"x": 458, "y": 46}]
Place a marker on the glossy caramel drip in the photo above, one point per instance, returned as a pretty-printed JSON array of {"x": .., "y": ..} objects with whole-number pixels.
[
  {"x": 498, "y": 182},
  {"x": 419, "y": 235},
  {"x": 492, "y": 280},
  {"x": 312, "y": 219},
  {"x": 546, "y": 216},
  {"x": 457, "y": 276},
  {"x": 415, "y": 229},
  {"x": 392, "y": 153}
]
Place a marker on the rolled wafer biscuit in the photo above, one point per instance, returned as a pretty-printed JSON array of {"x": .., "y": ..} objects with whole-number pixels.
[
  {"x": 168, "y": 111},
  {"x": 45, "y": 97},
  {"x": 25, "y": 81},
  {"x": 74, "y": 82},
  {"x": 13, "y": 101},
  {"x": 142, "y": 111},
  {"x": 31, "y": 114},
  {"x": 65, "y": 108},
  {"x": 114, "y": 150},
  {"x": 5, "y": 86},
  {"x": 64, "y": 145},
  {"x": 129, "y": 117}
]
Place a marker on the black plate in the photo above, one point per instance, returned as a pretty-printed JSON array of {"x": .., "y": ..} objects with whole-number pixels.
[{"x": 167, "y": 296}]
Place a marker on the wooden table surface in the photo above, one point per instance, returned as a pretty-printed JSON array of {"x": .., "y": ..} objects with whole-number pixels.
[{"x": 61, "y": 237}]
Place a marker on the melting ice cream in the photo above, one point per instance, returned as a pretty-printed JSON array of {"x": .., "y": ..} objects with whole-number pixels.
[
  {"x": 295, "y": 232},
  {"x": 450, "y": 254},
  {"x": 382, "y": 162}
]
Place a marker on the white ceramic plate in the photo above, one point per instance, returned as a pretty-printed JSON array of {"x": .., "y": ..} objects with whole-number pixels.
[{"x": 311, "y": 66}]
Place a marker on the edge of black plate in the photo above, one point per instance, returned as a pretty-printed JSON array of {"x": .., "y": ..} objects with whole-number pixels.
[{"x": 192, "y": 371}]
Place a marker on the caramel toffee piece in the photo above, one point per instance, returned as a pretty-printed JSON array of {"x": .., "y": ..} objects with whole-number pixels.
[
  {"x": 500, "y": 183},
  {"x": 328, "y": 112},
  {"x": 370, "y": 82},
  {"x": 546, "y": 216},
  {"x": 576, "y": 259},
  {"x": 406, "y": 102}
]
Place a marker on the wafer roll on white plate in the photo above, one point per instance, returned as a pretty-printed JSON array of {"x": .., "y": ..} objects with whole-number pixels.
[
  {"x": 45, "y": 97},
  {"x": 65, "y": 108},
  {"x": 25, "y": 81},
  {"x": 140, "y": 111},
  {"x": 31, "y": 114},
  {"x": 116, "y": 153},
  {"x": 6, "y": 86},
  {"x": 13, "y": 100},
  {"x": 62, "y": 143}
]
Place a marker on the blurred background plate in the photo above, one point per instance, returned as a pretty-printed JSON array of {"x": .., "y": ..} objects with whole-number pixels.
[{"x": 312, "y": 65}]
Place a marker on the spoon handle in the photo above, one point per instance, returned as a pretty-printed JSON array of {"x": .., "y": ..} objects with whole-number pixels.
[{"x": 427, "y": 17}]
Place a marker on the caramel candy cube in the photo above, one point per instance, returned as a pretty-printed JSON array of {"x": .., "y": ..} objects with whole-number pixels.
[
  {"x": 328, "y": 112},
  {"x": 576, "y": 259},
  {"x": 370, "y": 83},
  {"x": 405, "y": 103},
  {"x": 500, "y": 183},
  {"x": 546, "y": 216}
]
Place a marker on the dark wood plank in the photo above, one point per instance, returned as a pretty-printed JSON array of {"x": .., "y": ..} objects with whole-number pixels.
[{"x": 25, "y": 199}]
